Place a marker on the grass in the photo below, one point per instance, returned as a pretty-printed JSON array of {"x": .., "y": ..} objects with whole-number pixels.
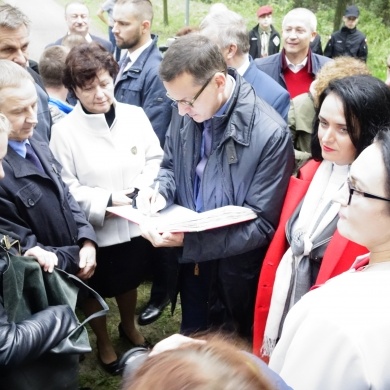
[{"x": 91, "y": 374}]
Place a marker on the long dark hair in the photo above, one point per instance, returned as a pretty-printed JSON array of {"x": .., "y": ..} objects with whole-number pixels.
[{"x": 366, "y": 104}]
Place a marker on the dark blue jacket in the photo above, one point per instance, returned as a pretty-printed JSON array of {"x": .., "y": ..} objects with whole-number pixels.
[
  {"x": 141, "y": 86},
  {"x": 268, "y": 89},
  {"x": 273, "y": 66},
  {"x": 39, "y": 208}
]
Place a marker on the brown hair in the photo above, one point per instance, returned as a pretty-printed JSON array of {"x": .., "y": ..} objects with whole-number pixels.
[
  {"x": 84, "y": 62},
  {"x": 52, "y": 64},
  {"x": 216, "y": 364}
]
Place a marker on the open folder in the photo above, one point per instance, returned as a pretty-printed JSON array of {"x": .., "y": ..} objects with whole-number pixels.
[{"x": 180, "y": 219}]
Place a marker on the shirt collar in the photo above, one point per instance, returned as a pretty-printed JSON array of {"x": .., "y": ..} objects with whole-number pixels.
[
  {"x": 244, "y": 67},
  {"x": 19, "y": 146},
  {"x": 288, "y": 64},
  {"x": 136, "y": 53}
]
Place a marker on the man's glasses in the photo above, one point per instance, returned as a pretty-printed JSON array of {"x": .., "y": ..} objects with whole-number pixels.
[
  {"x": 191, "y": 102},
  {"x": 353, "y": 190}
]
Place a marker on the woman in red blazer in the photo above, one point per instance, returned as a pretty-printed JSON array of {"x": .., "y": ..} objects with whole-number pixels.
[{"x": 350, "y": 113}]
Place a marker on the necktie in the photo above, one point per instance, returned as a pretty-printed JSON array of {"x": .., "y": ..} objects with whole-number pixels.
[
  {"x": 33, "y": 158},
  {"x": 264, "y": 44},
  {"x": 122, "y": 68},
  {"x": 204, "y": 153}
]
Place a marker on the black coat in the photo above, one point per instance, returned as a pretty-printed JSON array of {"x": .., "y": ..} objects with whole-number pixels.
[
  {"x": 39, "y": 208},
  {"x": 347, "y": 42},
  {"x": 254, "y": 42}
]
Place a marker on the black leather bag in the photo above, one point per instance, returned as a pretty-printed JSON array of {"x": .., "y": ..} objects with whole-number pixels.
[{"x": 27, "y": 289}]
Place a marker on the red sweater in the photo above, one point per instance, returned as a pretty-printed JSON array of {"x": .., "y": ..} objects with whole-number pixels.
[{"x": 297, "y": 83}]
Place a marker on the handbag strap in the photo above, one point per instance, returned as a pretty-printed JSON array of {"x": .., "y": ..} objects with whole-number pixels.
[{"x": 102, "y": 302}]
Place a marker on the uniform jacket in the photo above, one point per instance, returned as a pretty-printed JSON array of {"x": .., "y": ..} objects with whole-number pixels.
[
  {"x": 141, "y": 86},
  {"x": 254, "y": 42},
  {"x": 98, "y": 160},
  {"x": 273, "y": 65},
  {"x": 39, "y": 208},
  {"x": 347, "y": 42},
  {"x": 250, "y": 164},
  {"x": 268, "y": 89},
  {"x": 106, "y": 44},
  {"x": 338, "y": 256}
]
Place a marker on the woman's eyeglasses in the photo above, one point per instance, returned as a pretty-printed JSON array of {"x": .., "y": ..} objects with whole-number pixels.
[{"x": 353, "y": 190}]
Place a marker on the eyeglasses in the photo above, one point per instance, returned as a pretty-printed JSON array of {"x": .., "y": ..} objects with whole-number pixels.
[
  {"x": 191, "y": 103},
  {"x": 353, "y": 190}
]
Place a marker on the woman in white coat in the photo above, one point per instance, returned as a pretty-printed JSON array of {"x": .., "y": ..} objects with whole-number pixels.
[
  {"x": 108, "y": 150},
  {"x": 336, "y": 337}
]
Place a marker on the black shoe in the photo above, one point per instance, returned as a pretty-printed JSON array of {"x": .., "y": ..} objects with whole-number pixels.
[
  {"x": 112, "y": 368},
  {"x": 151, "y": 312},
  {"x": 145, "y": 344}
]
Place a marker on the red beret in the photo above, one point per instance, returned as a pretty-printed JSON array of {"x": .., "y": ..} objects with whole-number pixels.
[{"x": 264, "y": 10}]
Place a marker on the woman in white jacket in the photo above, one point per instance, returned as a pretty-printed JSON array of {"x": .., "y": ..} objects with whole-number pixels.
[
  {"x": 107, "y": 150},
  {"x": 336, "y": 337}
]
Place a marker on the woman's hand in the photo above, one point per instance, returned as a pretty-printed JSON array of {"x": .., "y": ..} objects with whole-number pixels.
[
  {"x": 120, "y": 198},
  {"x": 47, "y": 260}
]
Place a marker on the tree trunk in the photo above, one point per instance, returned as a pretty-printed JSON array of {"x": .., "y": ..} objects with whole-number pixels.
[
  {"x": 340, "y": 8},
  {"x": 165, "y": 11}
]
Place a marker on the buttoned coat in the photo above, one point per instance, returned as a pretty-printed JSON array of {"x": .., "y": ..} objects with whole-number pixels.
[{"x": 39, "y": 208}]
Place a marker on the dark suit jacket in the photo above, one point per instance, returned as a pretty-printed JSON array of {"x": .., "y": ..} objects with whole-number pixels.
[
  {"x": 39, "y": 208},
  {"x": 106, "y": 44},
  {"x": 268, "y": 89}
]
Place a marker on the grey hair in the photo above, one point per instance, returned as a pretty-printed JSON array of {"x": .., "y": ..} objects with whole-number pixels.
[
  {"x": 12, "y": 75},
  {"x": 12, "y": 17},
  {"x": 226, "y": 28},
  {"x": 311, "y": 19}
]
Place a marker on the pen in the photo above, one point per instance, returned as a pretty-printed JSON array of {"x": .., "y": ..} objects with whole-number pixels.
[{"x": 155, "y": 194}]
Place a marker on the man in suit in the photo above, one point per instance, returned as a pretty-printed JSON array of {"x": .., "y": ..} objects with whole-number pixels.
[
  {"x": 35, "y": 204},
  {"x": 295, "y": 67},
  {"x": 138, "y": 83},
  {"x": 78, "y": 20},
  {"x": 228, "y": 30},
  {"x": 14, "y": 42}
]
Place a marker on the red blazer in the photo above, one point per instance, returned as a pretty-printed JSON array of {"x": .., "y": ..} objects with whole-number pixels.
[{"x": 338, "y": 257}]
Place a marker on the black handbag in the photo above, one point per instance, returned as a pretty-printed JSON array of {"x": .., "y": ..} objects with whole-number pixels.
[{"x": 28, "y": 289}]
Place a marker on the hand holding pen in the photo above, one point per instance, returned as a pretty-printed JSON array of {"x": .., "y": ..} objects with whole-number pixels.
[{"x": 150, "y": 201}]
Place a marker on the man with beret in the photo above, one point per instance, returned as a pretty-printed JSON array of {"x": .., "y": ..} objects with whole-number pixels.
[
  {"x": 348, "y": 41},
  {"x": 264, "y": 40}
]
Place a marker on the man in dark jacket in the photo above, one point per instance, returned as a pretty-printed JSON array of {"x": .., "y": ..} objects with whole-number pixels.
[
  {"x": 230, "y": 149},
  {"x": 295, "y": 67},
  {"x": 138, "y": 83},
  {"x": 24, "y": 358},
  {"x": 78, "y": 20},
  {"x": 348, "y": 41},
  {"x": 264, "y": 40},
  {"x": 35, "y": 204}
]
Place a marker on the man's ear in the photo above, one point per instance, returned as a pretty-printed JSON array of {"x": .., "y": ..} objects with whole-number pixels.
[
  {"x": 232, "y": 50},
  {"x": 145, "y": 26},
  {"x": 313, "y": 35},
  {"x": 220, "y": 79}
]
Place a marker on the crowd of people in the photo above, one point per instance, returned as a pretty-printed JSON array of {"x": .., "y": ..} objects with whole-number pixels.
[{"x": 292, "y": 299}]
